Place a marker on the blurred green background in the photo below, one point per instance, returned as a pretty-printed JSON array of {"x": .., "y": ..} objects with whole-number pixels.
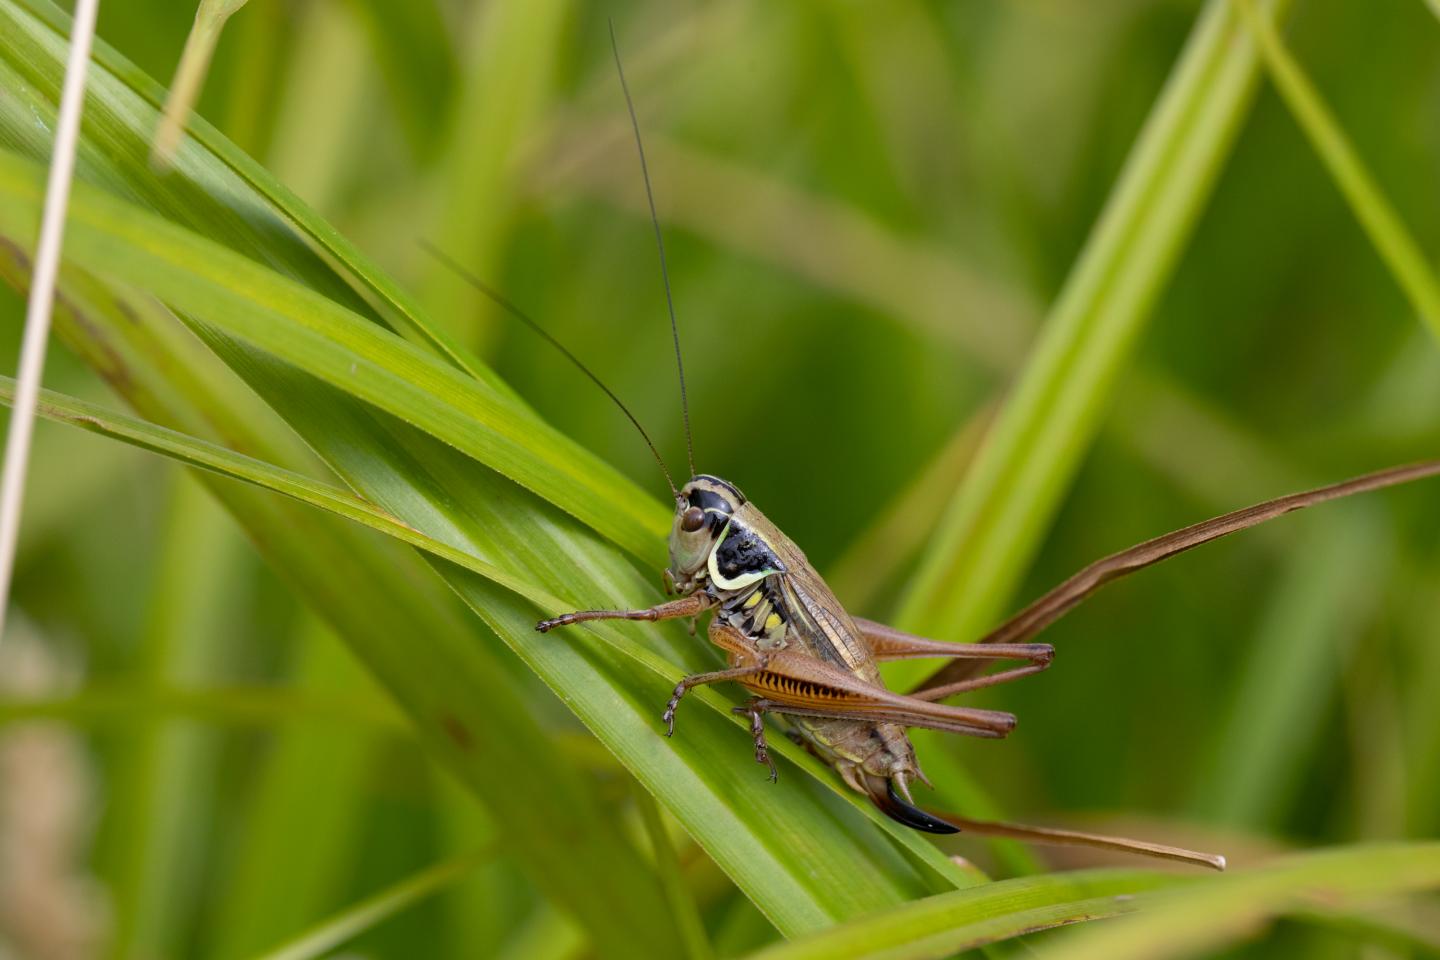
[{"x": 868, "y": 208}]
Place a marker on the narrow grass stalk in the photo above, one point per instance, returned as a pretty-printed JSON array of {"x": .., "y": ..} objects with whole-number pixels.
[
  {"x": 370, "y": 912},
  {"x": 997, "y": 517},
  {"x": 42, "y": 293},
  {"x": 1290, "y": 676},
  {"x": 157, "y": 818},
  {"x": 513, "y": 50},
  {"x": 667, "y": 864},
  {"x": 210, "y": 18},
  {"x": 1387, "y": 231}
]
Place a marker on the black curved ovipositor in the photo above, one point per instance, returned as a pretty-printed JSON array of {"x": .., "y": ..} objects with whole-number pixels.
[{"x": 899, "y": 809}]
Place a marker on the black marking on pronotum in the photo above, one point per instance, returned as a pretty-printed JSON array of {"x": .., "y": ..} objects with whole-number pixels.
[
  {"x": 743, "y": 552},
  {"x": 726, "y": 484},
  {"x": 898, "y": 808}
]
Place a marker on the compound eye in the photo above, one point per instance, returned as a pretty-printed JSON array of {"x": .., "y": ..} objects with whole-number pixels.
[{"x": 692, "y": 519}]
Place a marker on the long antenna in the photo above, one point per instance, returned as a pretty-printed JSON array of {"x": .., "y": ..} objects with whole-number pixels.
[
  {"x": 660, "y": 245},
  {"x": 525, "y": 318}
]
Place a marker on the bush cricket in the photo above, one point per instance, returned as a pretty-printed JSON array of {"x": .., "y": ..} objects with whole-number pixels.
[{"x": 791, "y": 644}]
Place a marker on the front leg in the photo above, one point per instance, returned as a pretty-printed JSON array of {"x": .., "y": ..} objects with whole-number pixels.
[{"x": 690, "y": 606}]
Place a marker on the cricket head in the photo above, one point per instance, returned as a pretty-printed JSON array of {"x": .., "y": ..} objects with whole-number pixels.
[{"x": 703, "y": 509}]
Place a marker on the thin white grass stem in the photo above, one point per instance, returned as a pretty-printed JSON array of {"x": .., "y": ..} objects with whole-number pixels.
[{"x": 42, "y": 294}]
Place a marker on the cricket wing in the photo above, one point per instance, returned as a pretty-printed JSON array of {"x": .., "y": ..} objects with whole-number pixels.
[
  {"x": 823, "y": 624},
  {"x": 814, "y": 615}
]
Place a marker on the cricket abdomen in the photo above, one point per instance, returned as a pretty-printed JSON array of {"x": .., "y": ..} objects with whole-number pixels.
[{"x": 875, "y": 759}]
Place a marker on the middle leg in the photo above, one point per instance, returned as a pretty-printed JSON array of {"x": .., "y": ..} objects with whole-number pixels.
[
  {"x": 701, "y": 679},
  {"x": 755, "y": 709}
]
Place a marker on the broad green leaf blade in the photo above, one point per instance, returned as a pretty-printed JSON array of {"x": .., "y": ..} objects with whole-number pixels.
[
  {"x": 195, "y": 452},
  {"x": 1210, "y": 914},
  {"x": 797, "y": 867},
  {"x": 993, "y": 525},
  {"x": 1171, "y": 914},
  {"x": 323, "y": 338},
  {"x": 662, "y": 674},
  {"x": 800, "y": 867},
  {"x": 948, "y": 923},
  {"x": 435, "y": 660}
]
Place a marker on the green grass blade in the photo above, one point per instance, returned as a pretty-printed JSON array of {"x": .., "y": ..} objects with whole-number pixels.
[
  {"x": 122, "y": 110},
  {"x": 512, "y": 54},
  {"x": 796, "y": 868},
  {"x": 1210, "y": 914},
  {"x": 667, "y": 862},
  {"x": 994, "y": 523},
  {"x": 303, "y": 808},
  {"x": 436, "y": 661},
  {"x": 210, "y": 19},
  {"x": 1292, "y": 673},
  {"x": 664, "y": 673},
  {"x": 323, "y": 338},
  {"x": 946, "y": 924},
  {"x": 1387, "y": 231},
  {"x": 374, "y": 910},
  {"x": 208, "y": 456},
  {"x": 1169, "y": 914},
  {"x": 157, "y": 821}
]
